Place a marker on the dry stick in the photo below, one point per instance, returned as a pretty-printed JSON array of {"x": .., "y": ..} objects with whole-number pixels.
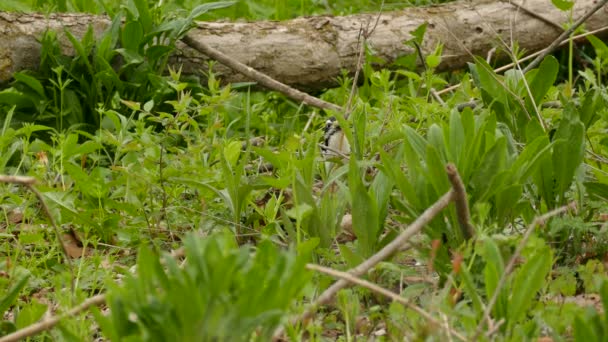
[
  {"x": 378, "y": 289},
  {"x": 383, "y": 254},
  {"x": 261, "y": 78},
  {"x": 52, "y": 321},
  {"x": 564, "y": 36},
  {"x": 510, "y": 65},
  {"x": 353, "y": 88},
  {"x": 540, "y": 220},
  {"x": 23, "y": 180},
  {"x": 30, "y": 182},
  {"x": 537, "y": 16},
  {"x": 365, "y": 34},
  {"x": 460, "y": 200}
]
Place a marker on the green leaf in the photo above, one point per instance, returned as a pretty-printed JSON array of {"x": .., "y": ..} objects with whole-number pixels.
[
  {"x": 457, "y": 137},
  {"x": 132, "y": 36},
  {"x": 563, "y": 5},
  {"x": 542, "y": 82},
  {"x": 419, "y": 32},
  {"x": 471, "y": 290},
  {"x": 436, "y": 171},
  {"x": 601, "y": 49},
  {"x": 30, "y": 313},
  {"x": 365, "y": 212},
  {"x": 568, "y": 153},
  {"x": 232, "y": 151},
  {"x": 492, "y": 163},
  {"x": 11, "y": 295},
  {"x": 530, "y": 279},
  {"x": 393, "y": 170},
  {"x": 31, "y": 82}
]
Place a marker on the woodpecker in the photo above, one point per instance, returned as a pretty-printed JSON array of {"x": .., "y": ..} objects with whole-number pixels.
[{"x": 334, "y": 139}]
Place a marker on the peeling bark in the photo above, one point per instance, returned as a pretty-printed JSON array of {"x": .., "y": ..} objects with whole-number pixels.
[{"x": 310, "y": 52}]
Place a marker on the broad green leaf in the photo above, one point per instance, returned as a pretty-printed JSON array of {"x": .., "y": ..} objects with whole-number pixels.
[
  {"x": 11, "y": 294},
  {"x": 563, "y": 5},
  {"x": 232, "y": 151},
  {"x": 568, "y": 153},
  {"x": 601, "y": 49},
  {"x": 471, "y": 290},
  {"x": 364, "y": 210},
  {"x": 492, "y": 163},
  {"x": 506, "y": 200},
  {"x": 132, "y": 36},
  {"x": 530, "y": 158},
  {"x": 352, "y": 258},
  {"x": 530, "y": 279},
  {"x": 31, "y": 82},
  {"x": 30, "y": 314},
  {"x": 489, "y": 81},
  {"x": 392, "y": 168},
  {"x": 436, "y": 171},
  {"x": 542, "y": 82},
  {"x": 457, "y": 140},
  {"x": 493, "y": 270},
  {"x": 436, "y": 139}
]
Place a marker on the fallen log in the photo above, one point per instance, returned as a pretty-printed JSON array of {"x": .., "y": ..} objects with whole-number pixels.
[{"x": 310, "y": 52}]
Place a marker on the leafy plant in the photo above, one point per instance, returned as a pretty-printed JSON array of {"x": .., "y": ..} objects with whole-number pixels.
[{"x": 222, "y": 293}]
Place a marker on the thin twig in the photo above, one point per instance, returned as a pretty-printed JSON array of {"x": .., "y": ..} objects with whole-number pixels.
[
  {"x": 381, "y": 255},
  {"x": 537, "y": 16},
  {"x": 378, "y": 289},
  {"x": 52, "y": 321},
  {"x": 564, "y": 35},
  {"x": 365, "y": 33},
  {"x": 540, "y": 220},
  {"x": 510, "y": 65},
  {"x": 333, "y": 150},
  {"x": 29, "y": 183},
  {"x": 23, "y": 180},
  {"x": 461, "y": 202},
  {"x": 261, "y": 78}
]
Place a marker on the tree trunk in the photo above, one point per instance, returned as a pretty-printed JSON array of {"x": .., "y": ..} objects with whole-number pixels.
[{"x": 309, "y": 53}]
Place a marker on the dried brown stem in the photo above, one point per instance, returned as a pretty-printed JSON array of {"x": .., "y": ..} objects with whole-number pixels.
[
  {"x": 510, "y": 65},
  {"x": 30, "y": 182},
  {"x": 24, "y": 180},
  {"x": 461, "y": 202},
  {"x": 511, "y": 265},
  {"x": 564, "y": 35},
  {"x": 378, "y": 289},
  {"x": 383, "y": 254},
  {"x": 261, "y": 78},
  {"x": 52, "y": 321}
]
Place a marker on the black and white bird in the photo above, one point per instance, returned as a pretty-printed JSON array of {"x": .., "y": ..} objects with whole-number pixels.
[{"x": 335, "y": 144}]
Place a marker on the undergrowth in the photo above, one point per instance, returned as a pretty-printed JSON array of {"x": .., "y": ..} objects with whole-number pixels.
[{"x": 138, "y": 160}]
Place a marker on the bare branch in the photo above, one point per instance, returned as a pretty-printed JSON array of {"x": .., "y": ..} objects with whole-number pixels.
[
  {"x": 461, "y": 202},
  {"x": 540, "y": 220},
  {"x": 52, "y": 321},
  {"x": 30, "y": 182},
  {"x": 378, "y": 289},
  {"x": 383, "y": 254},
  {"x": 24, "y": 180},
  {"x": 564, "y": 35},
  {"x": 261, "y": 78}
]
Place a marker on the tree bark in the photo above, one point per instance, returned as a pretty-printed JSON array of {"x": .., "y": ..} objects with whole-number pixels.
[{"x": 310, "y": 52}]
